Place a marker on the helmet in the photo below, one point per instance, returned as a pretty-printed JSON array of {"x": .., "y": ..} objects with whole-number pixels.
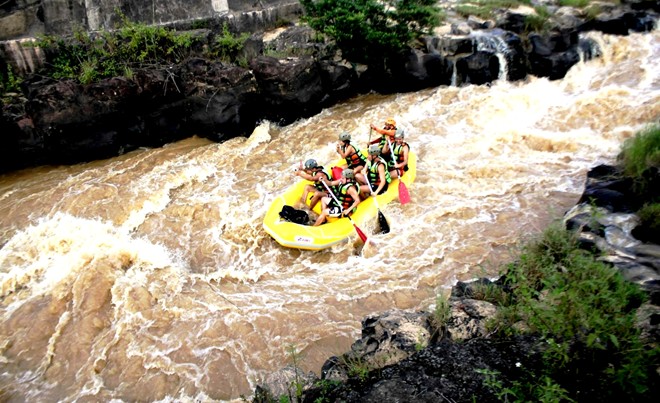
[
  {"x": 390, "y": 121},
  {"x": 399, "y": 134},
  {"x": 348, "y": 173},
  {"x": 374, "y": 149},
  {"x": 345, "y": 136},
  {"x": 311, "y": 164}
]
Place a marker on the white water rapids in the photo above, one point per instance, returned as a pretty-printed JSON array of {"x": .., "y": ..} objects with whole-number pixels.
[{"x": 149, "y": 276}]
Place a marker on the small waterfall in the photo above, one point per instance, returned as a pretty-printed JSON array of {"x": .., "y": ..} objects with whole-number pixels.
[
  {"x": 454, "y": 74},
  {"x": 492, "y": 41}
]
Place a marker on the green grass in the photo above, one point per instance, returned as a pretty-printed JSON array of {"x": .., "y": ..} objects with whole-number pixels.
[
  {"x": 641, "y": 152},
  {"x": 484, "y": 8},
  {"x": 584, "y": 312}
]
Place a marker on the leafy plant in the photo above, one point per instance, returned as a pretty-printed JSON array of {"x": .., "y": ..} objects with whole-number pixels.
[
  {"x": 369, "y": 30},
  {"x": 357, "y": 367},
  {"x": 9, "y": 82},
  {"x": 89, "y": 57},
  {"x": 574, "y": 3},
  {"x": 485, "y": 8},
  {"x": 227, "y": 45},
  {"x": 583, "y": 310},
  {"x": 297, "y": 383},
  {"x": 539, "y": 21}
]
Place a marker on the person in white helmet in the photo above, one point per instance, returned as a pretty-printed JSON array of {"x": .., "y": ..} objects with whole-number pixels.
[
  {"x": 350, "y": 153},
  {"x": 315, "y": 173},
  {"x": 375, "y": 177},
  {"x": 346, "y": 192},
  {"x": 399, "y": 157}
]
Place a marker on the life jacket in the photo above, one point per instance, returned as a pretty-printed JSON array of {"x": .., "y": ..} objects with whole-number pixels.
[
  {"x": 372, "y": 172},
  {"x": 317, "y": 184},
  {"x": 355, "y": 159},
  {"x": 344, "y": 197},
  {"x": 397, "y": 149}
]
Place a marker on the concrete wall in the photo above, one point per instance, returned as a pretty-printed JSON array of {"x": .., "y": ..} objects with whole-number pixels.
[
  {"x": 22, "y": 20},
  {"x": 27, "y": 18}
]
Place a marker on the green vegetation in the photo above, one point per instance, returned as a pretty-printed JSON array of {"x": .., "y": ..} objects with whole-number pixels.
[
  {"x": 574, "y": 3},
  {"x": 357, "y": 367},
  {"x": 584, "y": 312},
  {"x": 88, "y": 57},
  {"x": 9, "y": 82},
  {"x": 538, "y": 22},
  {"x": 649, "y": 215},
  {"x": 370, "y": 31},
  {"x": 484, "y": 8},
  {"x": 640, "y": 153},
  {"x": 442, "y": 311},
  {"x": 227, "y": 46},
  {"x": 297, "y": 384}
]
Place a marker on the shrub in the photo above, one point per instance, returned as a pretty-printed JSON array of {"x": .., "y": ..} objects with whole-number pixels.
[
  {"x": 584, "y": 311},
  {"x": 227, "y": 46},
  {"x": 88, "y": 57},
  {"x": 370, "y": 31}
]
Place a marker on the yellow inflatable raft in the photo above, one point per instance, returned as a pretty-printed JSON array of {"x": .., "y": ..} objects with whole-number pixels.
[{"x": 309, "y": 237}]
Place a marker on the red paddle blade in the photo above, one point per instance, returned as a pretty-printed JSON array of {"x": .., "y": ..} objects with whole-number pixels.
[
  {"x": 361, "y": 234},
  {"x": 336, "y": 172},
  {"x": 404, "y": 196}
]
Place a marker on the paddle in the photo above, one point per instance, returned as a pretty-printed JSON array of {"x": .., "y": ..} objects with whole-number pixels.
[
  {"x": 404, "y": 196},
  {"x": 384, "y": 226},
  {"x": 361, "y": 234}
]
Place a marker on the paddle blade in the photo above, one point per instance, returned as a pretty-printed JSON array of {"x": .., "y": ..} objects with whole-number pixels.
[
  {"x": 382, "y": 222},
  {"x": 361, "y": 234},
  {"x": 404, "y": 196},
  {"x": 336, "y": 172}
]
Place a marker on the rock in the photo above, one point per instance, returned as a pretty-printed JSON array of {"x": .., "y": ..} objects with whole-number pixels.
[{"x": 468, "y": 318}]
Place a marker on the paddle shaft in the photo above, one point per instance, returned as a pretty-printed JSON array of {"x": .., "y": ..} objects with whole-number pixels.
[
  {"x": 333, "y": 196},
  {"x": 389, "y": 143},
  {"x": 366, "y": 178},
  {"x": 361, "y": 234}
]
